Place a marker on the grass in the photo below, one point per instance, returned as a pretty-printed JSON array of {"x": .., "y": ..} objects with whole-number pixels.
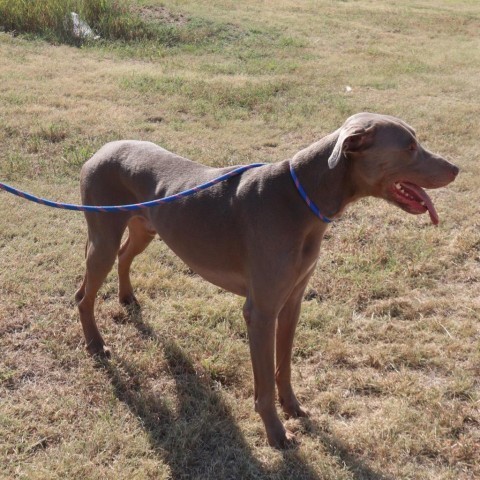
[
  {"x": 386, "y": 356},
  {"x": 51, "y": 19},
  {"x": 111, "y": 20}
]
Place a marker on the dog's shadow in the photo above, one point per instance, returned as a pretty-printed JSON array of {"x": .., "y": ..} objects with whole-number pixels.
[{"x": 198, "y": 437}]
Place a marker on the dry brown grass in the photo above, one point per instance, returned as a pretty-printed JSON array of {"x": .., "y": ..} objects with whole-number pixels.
[{"x": 387, "y": 355}]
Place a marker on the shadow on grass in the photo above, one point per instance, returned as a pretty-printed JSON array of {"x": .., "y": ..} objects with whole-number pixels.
[
  {"x": 198, "y": 438},
  {"x": 358, "y": 469}
]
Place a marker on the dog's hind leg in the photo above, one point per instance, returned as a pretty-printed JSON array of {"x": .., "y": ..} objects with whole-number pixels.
[
  {"x": 140, "y": 234},
  {"x": 104, "y": 237},
  {"x": 81, "y": 291}
]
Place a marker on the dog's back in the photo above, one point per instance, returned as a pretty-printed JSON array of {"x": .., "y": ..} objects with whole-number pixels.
[{"x": 143, "y": 169}]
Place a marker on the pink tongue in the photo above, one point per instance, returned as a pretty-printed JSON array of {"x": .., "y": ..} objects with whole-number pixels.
[{"x": 427, "y": 200}]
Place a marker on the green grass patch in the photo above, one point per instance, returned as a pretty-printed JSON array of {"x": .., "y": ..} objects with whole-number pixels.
[
  {"x": 200, "y": 96},
  {"x": 111, "y": 20},
  {"x": 52, "y": 19}
]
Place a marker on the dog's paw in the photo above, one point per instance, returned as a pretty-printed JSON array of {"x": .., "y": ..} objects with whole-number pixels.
[
  {"x": 278, "y": 436},
  {"x": 99, "y": 351},
  {"x": 292, "y": 408},
  {"x": 129, "y": 301},
  {"x": 295, "y": 412},
  {"x": 284, "y": 440}
]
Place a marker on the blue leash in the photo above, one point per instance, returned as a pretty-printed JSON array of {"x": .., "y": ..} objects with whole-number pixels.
[
  {"x": 134, "y": 206},
  {"x": 310, "y": 203},
  {"x": 153, "y": 203}
]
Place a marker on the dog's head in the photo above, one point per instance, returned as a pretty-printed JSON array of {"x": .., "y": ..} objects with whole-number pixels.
[{"x": 386, "y": 160}]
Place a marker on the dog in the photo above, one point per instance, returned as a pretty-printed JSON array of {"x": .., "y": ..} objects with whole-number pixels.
[{"x": 254, "y": 235}]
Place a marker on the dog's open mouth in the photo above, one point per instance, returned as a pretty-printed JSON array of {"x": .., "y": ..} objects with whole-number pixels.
[{"x": 413, "y": 199}]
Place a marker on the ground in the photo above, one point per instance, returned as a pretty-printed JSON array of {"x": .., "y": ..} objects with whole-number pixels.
[{"x": 387, "y": 356}]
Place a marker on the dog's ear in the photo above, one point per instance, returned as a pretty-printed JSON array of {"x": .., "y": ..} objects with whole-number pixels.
[{"x": 353, "y": 138}]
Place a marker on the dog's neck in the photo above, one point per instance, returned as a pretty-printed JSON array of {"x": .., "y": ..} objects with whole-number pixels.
[{"x": 331, "y": 189}]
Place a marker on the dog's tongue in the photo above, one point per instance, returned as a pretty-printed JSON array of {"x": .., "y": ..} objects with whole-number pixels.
[{"x": 427, "y": 200}]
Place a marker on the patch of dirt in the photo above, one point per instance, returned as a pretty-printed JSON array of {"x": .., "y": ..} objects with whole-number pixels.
[{"x": 160, "y": 14}]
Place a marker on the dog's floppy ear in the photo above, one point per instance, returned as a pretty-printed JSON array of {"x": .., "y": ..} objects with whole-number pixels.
[{"x": 353, "y": 138}]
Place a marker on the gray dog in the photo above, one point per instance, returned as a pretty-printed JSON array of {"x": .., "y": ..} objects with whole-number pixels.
[{"x": 253, "y": 235}]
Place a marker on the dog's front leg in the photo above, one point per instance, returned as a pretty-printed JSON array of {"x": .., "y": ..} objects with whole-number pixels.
[
  {"x": 261, "y": 334},
  {"x": 287, "y": 323}
]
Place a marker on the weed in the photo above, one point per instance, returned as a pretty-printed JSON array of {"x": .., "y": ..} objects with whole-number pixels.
[
  {"x": 51, "y": 19},
  {"x": 53, "y": 133}
]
